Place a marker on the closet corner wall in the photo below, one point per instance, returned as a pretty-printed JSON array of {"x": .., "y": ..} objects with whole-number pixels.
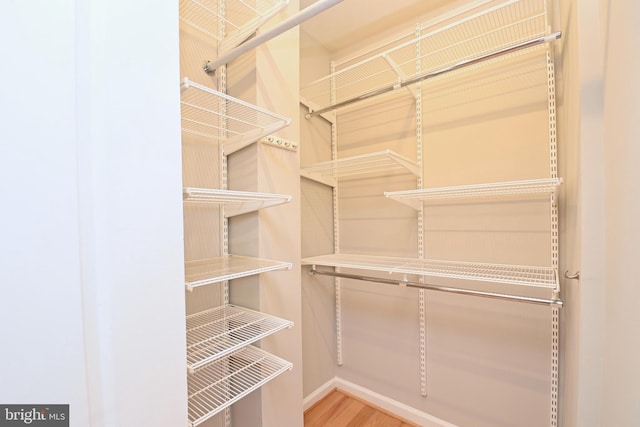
[{"x": 241, "y": 211}]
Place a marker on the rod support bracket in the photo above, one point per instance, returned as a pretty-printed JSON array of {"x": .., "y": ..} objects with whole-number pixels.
[
  {"x": 574, "y": 276},
  {"x": 206, "y": 67}
]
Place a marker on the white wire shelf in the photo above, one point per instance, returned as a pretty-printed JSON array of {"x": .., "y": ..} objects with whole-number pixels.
[
  {"x": 439, "y": 48},
  {"x": 217, "y": 332},
  {"x": 229, "y": 379},
  {"x": 229, "y": 267},
  {"x": 234, "y": 202},
  {"x": 373, "y": 163},
  {"x": 534, "y": 276},
  {"x": 231, "y": 26},
  {"x": 523, "y": 188},
  {"x": 217, "y": 116}
]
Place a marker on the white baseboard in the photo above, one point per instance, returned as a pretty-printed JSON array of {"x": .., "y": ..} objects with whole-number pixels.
[
  {"x": 392, "y": 406},
  {"x": 317, "y": 395}
]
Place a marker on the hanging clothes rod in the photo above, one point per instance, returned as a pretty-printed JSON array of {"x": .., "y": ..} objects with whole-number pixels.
[
  {"x": 300, "y": 17},
  {"x": 492, "y": 295},
  {"x": 432, "y": 74}
]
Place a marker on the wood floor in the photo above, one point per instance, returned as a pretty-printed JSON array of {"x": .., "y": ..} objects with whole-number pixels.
[{"x": 338, "y": 409}]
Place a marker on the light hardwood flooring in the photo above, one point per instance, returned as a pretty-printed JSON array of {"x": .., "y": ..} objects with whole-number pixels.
[{"x": 338, "y": 409}]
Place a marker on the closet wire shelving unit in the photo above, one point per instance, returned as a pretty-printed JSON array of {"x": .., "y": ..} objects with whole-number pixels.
[
  {"x": 434, "y": 61},
  {"x": 222, "y": 364}
]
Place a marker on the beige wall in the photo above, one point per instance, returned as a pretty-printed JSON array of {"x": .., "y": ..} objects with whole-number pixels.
[
  {"x": 622, "y": 141},
  {"x": 586, "y": 239},
  {"x": 601, "y": 95}
]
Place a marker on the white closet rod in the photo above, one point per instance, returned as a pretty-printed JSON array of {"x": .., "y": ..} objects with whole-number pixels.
[
  {"x": 517, "y": 298},
  {"x": 300, "y": 17},
  {"x": 431, "y": 74}
]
